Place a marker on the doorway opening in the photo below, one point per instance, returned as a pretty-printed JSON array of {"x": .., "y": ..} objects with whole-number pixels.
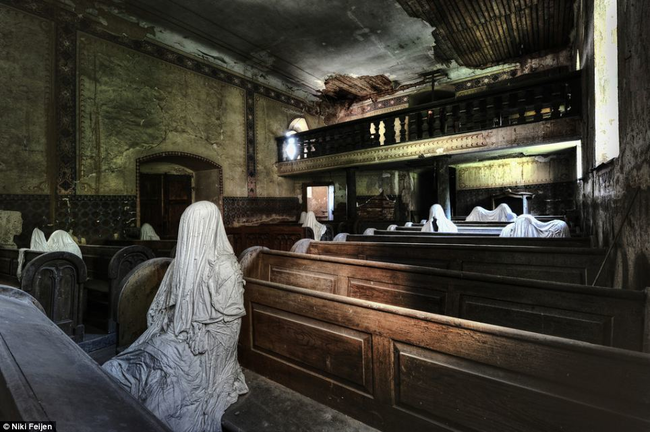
[
  {"x": 167, "y": 183},
  {"x": 320, "y": 200}
]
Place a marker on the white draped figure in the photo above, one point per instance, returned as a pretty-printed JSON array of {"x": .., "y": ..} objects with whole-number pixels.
[
  {"x": 527, "y": 226},
  {"x": 444, "y": 225},
  {"x": 502, "y": 213},
  {"x": 38, "y": 241},
  {"x": 184, "y": 368},
  {"x": 303, "y": 215},
  {"x": 62, "y": 241},
  {"x": 148, "y": 233},
  {"x": 317, "y": 227}
]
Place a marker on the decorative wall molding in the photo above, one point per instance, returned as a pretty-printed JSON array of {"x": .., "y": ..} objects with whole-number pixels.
[{"x": 513, "y": 136}]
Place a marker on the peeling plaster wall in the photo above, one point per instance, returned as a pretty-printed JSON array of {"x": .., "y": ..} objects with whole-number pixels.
[
  {"x": 515, "y": 172},
  {"x": 550, "y": 178},
  {"x": 272, "y": 119},
  {"x": 132, "y": 105},
  {"x": 611, "y": 189},
  {"x": 26, "y": 67}
]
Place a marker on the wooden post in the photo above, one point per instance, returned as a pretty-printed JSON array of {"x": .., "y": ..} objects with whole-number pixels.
[
  {"x": 351, "y": 189},
  {"x": 442, "y": 184}
]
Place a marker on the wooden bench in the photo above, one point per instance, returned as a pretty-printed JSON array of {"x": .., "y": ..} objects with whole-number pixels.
[
  {"x": 468, "y": 230},
  {"x": 603, "y": 316},
  {"x": 44, "y": 376},
  {"x": 570, "y": 265},
  {"x": 137, "y": 291},
  {"x": 107, "y": 266},
  {"x": 273, "y": 236},
  {"x": 399, "y": 369},
  {"x": 400, "y": 237},
  {"x": 56, "y": 280}
]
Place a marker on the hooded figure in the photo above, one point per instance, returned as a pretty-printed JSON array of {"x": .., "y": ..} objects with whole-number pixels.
[
  {"x": 444, "y": 225},
  {"x": 38, "y": 242},
  {"x": 528, "y": 226},
  {"x": 311, "y": 222},
  {"x": 148, "y": 233},
  {"x": 502, "y": 213},
  {"x": 62, "y": 241},
  {"x": 184, "y": 368},
  {"x": 303, "y": 215}
]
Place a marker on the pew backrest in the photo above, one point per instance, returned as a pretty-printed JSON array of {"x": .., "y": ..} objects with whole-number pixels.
[
  {"x": 137, "y": 291},
  {"x": 398, "y": 369},
  {"x": 603, "y": 316},
  {"x": 55, "y": 280},
  {"x": 45, "y": 376},
  {"x": 400, "y": 237},
  {"x": 570, "y": 265}
]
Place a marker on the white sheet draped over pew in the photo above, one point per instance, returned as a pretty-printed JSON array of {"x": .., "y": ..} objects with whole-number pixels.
[
  {"x": 528, "y": 226},
  {"x": 502, "y": 213}
]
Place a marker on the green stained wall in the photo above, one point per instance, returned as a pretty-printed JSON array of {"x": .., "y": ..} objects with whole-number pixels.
[
  {"x": 26, "y": 67},
  {"x": 132, "y": 105},
  {"x": 272, "y": 119}
]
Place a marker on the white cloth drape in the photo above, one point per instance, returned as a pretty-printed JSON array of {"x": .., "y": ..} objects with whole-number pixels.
[
  {"x": 184, "y": 368},
  {"x": 527, "y": 226},
  {"x": 303, "y": 215},
  {"x": 59, "y": 241},
  {"x": 502, "y": 213},
  {"x": 444, "y": 225},
  {"x": 311, "y": 222},
  {"x": 148, "y": 233},
  {"x": 38, "y": 241}
]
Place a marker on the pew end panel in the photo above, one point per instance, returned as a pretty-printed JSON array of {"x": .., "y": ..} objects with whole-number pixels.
[
  {"x": 437, "y": 373},
  {"x": 55, "y": 280},
  {"x": 137, "y": 291}
]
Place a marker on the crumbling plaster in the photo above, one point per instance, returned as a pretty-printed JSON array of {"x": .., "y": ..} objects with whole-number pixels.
[
  {"x": 611, "y": 190},
  {"x": 26, "y": 93}
]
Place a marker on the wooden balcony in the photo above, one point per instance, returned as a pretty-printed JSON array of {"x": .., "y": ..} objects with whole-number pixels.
[{"x": 498, "y": 118}]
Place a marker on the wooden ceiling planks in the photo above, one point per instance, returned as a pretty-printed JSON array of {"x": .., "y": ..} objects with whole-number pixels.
[{"x": 480, "y": 33}]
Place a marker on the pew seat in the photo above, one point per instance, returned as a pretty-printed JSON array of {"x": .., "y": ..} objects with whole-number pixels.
[{"x": 604, "y": 316}]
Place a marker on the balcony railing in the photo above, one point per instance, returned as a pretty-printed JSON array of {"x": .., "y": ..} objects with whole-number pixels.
[{"x": 533, "y": 101}]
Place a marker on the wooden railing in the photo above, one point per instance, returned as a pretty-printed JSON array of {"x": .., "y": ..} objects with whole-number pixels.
[{"x": 533, "y": 101}]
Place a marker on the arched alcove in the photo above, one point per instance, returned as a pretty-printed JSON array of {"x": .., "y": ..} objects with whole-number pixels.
[{"x": 167, "y": 182}]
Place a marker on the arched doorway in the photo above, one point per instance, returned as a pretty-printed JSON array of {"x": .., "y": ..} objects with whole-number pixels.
[{"x": 168, "y": 182}]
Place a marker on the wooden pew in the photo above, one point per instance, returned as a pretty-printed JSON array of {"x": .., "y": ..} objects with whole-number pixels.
[
  {"x": 274, "y": 236},
  {"x": 400, "y": 237},
  {"x": 55, "y": 279},
  {"x": 603, "y": 316},
  {"x": 468, "y": 230},
  {"x": 399, "y": 369},
  {"x": 44, "y": 376},
  {"x": 161, "y": 248},
  {"x": 107, "y": 266},
  {"x": 570, "y": 265},
  {"x": 137, "y": 291}
]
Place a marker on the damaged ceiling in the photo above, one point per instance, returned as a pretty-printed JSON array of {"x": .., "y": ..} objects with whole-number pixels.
[
  {"x": 480, "y": 33},
  {"x": 351, "y": 50}
]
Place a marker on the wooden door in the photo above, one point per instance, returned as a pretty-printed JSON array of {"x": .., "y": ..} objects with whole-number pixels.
[
  {"x": 163, "y": 199},
  {"x": 177, "y": 197},
  {"x": 151, "y": 201}
]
